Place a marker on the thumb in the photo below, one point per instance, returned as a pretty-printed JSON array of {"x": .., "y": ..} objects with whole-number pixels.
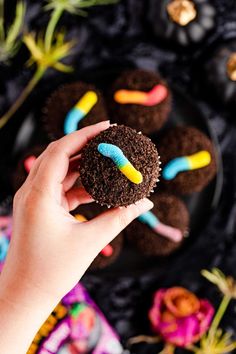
[{"x": 108, "y": 225}]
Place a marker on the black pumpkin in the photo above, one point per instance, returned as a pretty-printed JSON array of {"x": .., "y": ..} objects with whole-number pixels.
[
  {"x": 221, "y": 73},
  {"x": 184, "y": 22}
]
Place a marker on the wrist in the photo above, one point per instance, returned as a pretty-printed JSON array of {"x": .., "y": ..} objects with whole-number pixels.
[
  {"x": 24, "y": 293},
  {"x": 23, "y": 310}
]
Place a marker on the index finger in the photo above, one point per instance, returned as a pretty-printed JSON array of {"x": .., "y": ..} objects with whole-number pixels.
[{"x": 54, "y": 163}]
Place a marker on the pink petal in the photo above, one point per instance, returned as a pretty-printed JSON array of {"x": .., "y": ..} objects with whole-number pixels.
[
  {"x": 205, "y": 316},
  {"x": 155, "y": 311},
  {"x": 184, "y": 333}
]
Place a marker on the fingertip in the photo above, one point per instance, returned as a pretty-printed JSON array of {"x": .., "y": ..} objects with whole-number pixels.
[
  {"x": 142, "y": 206},
  {"x": 105, "y": 124},
  {"x": 125, "y": 215}
]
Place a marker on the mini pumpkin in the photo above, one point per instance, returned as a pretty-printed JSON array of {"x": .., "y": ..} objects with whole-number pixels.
[
  {"x": 221, "y": 73},
  {"x": 184, "y": 22}
]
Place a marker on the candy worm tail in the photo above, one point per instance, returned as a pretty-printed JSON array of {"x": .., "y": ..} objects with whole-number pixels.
[
  {"x": 155, "y": 96},
  {"x": 123, "y": 164},
  {"x": 172, "y": 233}
]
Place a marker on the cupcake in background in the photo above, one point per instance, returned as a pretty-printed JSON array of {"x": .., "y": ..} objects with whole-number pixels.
[
  {"x": 162, "y": 230},
  {"x": 183, "y": 22},
  {"x": 111, "y": 252},
  {"x": 73, "y": 106},
  {"x": 188, "y": 158},
  {"x": 141, "y": 100}
]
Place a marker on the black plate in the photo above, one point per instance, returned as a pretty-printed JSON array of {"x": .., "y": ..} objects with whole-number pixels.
[{"x": 200, "y": 205}]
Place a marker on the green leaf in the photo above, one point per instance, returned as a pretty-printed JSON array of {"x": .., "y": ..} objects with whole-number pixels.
[
  {"x": 2, "y": 31},
  {"x": 90, "y": 3},
  {"x": 76, "y": 7},
  {"x": 9, "y": 42},
  {"x": 16, "y": 27}
]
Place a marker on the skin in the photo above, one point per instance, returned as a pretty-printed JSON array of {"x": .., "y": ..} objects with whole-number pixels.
[{"x": 50, "y": 250}]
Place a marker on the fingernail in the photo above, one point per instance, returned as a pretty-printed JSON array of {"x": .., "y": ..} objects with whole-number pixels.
[
  {"x": 145, "y": 205},
  {"x": 104, "y": 122}
]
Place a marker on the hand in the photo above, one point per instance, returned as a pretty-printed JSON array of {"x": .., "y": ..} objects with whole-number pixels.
[{"x": 50, "y": 250}]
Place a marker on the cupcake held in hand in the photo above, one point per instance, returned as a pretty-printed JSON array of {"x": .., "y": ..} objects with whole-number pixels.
[
  {"x": 141, "y": 100},
  {"x": 189, "y": 161},
  {"x": 71, "y": 107},
  {"x": 119, "y": 167},
  {"x": 162, "y": 230}
]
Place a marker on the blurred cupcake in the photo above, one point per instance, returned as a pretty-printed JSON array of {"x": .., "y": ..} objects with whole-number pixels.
[
  {"x": 141, "y": 100},
  {"x": 188, "y": 158},
  {"x": 24, "y": 165},
  {"x": 73, "y": 106},
  {"x": 111, "y": 252},
  {"x": 160, "y": 231},
  {"x": 221, "y": 73},
  {"x": 184, "y": 22}
]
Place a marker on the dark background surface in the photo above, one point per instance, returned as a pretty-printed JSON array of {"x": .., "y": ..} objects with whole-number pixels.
[{"x": 121, "y": 36}]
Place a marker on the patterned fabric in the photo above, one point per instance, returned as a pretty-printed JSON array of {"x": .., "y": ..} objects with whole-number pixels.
[{"x": 120, "y": 37}]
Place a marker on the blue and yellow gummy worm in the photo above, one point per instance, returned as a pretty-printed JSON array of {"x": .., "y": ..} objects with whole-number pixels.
[
  {"x": 186, "y": 163},
  {"x": 123, "y": 164},
  {"x": 79, "y": 111}
]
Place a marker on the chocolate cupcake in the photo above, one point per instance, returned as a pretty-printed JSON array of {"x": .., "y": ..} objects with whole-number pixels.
[
  {"x": 71, "y": 107},
  {"x": 221, "y": 73},
  {"x": 141, "y": 100},
  {"x": 119, "y": 167},
  {"x": 183, "y": 22},
  {"x": 160, "y": 231},
  {"x": 110, "y": 253},
  {"x": 24, "y": 165},
  {"x": 189, "y": 161}
]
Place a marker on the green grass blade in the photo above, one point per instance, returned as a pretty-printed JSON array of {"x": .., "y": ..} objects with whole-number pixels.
[
  {"x": 2, "y": 31},
  {"x": 17, "y": 25}
]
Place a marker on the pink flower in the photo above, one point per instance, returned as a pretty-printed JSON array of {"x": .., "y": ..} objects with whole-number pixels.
[{"x": 179, "y": 316}]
